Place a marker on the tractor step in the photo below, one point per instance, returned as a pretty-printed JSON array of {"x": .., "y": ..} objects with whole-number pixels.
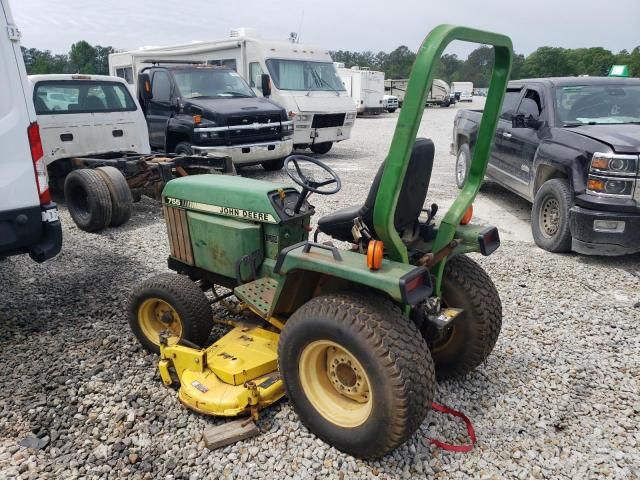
[{"x": 258, "y": 295}]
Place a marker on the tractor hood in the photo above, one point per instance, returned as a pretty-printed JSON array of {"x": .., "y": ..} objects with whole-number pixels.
[{"x": 230, "y": 196}]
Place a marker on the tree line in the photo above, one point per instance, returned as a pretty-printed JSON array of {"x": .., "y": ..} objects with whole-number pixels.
[
  {"x": 544, "y": 62},
  {"x": 82, "y": 58}
]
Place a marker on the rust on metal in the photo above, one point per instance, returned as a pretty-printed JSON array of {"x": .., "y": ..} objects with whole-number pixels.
[{"x": 178, "y": 232}]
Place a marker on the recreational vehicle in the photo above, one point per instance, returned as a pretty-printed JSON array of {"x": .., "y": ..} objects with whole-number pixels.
[{"x": 300, "y": 78}]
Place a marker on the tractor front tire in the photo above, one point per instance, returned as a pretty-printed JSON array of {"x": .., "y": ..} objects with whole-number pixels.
[
  {"x": 88, "y": 200},
  {"x": 475, "y": 331},
  {"x": 169, "y": 302},
  {"x": 357, "y": 372},
  {"x": 121, "y": 198}
]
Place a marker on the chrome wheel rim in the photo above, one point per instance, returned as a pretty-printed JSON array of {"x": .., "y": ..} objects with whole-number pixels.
[{"x": 461, "y": 167}]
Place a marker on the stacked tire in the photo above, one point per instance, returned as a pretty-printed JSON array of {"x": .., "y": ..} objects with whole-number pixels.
[{"x": 98, "y": 198}]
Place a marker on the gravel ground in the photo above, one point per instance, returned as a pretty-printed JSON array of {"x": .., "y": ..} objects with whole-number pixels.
[{"x": 558, "y": 398}]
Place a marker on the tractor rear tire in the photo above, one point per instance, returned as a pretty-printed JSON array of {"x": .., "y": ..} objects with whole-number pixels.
[
  {"x": 169, "y": 302},
  {"x": 321, "y": 148},
  {"x": 357, "y": 372},
  {"x": 475, "y": 331},
  {"x": 121, "y": 198},
  {"x": 273, "y": 165},
  {"x": 88, "y": 200}
]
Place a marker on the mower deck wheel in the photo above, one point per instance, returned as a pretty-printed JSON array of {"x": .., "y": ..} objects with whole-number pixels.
[
  {"x": 357, "y": 372},
  {"x": 475, "y": 331},
  {"x": 169, "y": 302}
]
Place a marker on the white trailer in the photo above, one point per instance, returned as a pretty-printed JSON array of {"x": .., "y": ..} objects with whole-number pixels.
[
  {"x": 463, "y": 91},
  {"x": 303, "y": 80},
  {"x": 365, "y": 86},
  {"x": 438, "y": 93}
]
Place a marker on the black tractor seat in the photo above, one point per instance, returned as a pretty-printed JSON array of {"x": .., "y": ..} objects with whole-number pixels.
[{"x": 410, "y": 201}]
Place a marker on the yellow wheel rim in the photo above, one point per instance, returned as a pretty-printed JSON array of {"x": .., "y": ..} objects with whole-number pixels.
[
  {"x": 156, "y": 315},
  {"x": 335, "y": 383}
]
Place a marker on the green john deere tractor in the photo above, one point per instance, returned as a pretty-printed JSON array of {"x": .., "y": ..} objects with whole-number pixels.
[{"x": 354, "y": 337}]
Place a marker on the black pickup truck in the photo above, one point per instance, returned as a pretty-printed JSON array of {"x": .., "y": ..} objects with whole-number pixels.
[
  {"x": 571, "y": 146},
  {"x": 195, "y": 108}
]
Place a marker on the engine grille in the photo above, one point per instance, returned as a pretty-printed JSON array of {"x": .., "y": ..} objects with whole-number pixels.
[
  {"x": 256, "y": 127},
  {"x": 178, "y": 233},
  {"x": 328, "y": 120},
  {"x": 253, "y": 118}
]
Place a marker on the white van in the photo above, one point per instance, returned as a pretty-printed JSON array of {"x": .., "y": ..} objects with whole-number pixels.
[
  {"x": 303, "y": 80},
  {"x": 365, "y": 86},
  {"x": 28, "y": 218}
]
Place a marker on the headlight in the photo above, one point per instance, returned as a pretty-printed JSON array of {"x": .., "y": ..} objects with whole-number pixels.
[
  {"x": 610, "y": 186},
  {"x": 303, "y": 117},
  {"x": 350, "y": 116},
  {"x": 611, "y": 163}
]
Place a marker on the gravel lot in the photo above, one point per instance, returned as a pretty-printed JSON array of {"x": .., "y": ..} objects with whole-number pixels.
[{"x": 559, "y": 397}]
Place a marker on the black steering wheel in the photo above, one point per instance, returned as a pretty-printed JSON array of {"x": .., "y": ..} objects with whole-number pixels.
[{"x": 308, "y": 184}]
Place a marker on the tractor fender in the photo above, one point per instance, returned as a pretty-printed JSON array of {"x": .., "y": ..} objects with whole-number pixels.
[{"x": 306, "y": 270}]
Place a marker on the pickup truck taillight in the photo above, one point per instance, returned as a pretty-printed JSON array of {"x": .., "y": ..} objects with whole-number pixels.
[{"x": 39, "y": 165}]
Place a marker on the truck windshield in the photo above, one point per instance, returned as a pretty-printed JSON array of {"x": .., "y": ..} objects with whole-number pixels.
[
  {"x": 598, "y": 104},
  {"x": 211, "y": 83},
  {"x": 81, "y": 96},
  {"x": 304, "y": 75}
]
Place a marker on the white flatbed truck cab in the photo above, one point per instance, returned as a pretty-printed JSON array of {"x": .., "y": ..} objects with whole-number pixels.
[
  {"x": 301, "y": 78},
  {"x": 28, "y": 218}
]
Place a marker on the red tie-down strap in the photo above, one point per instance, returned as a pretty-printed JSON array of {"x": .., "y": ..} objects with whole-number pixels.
[{"x": 448, "y": 446}]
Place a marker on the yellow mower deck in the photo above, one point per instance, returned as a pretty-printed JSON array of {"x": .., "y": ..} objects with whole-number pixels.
[{"x": 236, "y": 375}]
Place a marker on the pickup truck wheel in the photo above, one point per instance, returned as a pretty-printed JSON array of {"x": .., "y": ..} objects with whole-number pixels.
[
  {"x": 321, "y": 148},
  {"x": 88, "y": 200},
  {"x": 475, "y": 331},
  {"x": 273, "y": 165},
  {"x": 391, "y": 110},
  {"x": 550, "y": 216},
  {"x": 357, "y": 372},
  {"x": 121, "y": 198},
  {"x": 183, "y": 148},
  {"x": 463, "y": 159}
]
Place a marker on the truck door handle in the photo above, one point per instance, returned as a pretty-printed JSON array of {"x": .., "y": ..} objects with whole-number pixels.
[
  {"x": 506, "y": 135},
  {"x": 66, "y": 137},
  {"x": 117, "y": 133}
]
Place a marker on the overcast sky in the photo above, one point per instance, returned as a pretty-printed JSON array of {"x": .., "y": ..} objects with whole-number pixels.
[{"x": 333, "y": 24}]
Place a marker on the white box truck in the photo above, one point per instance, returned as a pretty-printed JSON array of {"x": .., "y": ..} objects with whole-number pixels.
[
  {"x": 365, "y": 86},
  {"x": 28, "y": 218},
  {"x": 301, "y": 78}
]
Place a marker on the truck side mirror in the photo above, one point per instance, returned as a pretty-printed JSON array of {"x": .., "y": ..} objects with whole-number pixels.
[
  {"x": 522, "y": 121},
  {"x": 266, "y": 85},
  {"x": 144, "y": 86}
]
